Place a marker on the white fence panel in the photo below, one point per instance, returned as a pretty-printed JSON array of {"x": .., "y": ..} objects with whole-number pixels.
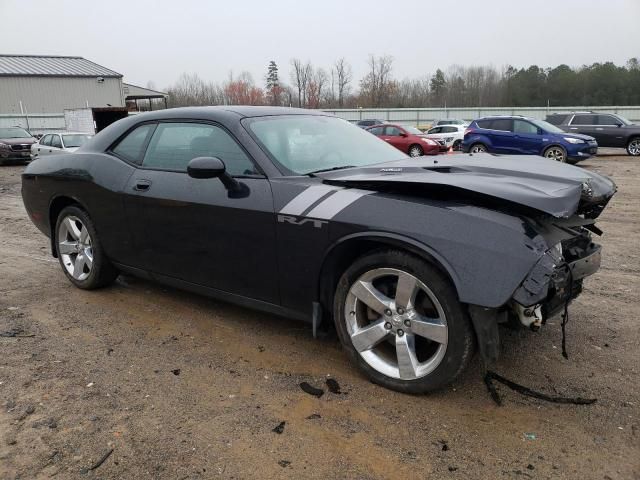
[{"x": 422, "y": 116}]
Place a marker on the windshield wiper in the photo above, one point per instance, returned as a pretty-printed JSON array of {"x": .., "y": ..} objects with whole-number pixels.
[{"x": 330, "y": 169}]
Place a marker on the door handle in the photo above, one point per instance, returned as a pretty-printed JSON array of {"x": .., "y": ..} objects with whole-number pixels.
[
  {"x": 574, "y": 128},
  {"x": 142, "y": 185},
  {"x": 599, "y": 128}
]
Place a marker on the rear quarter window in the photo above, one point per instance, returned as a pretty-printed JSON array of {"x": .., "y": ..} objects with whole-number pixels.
[
  {"x": 484, "y": 123},
  {"x": 132, "y": 146}
]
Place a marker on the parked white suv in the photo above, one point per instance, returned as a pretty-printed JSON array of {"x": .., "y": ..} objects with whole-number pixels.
[
  {"x": 63, "y": 142},
  {"x": 452, "y": 135}
]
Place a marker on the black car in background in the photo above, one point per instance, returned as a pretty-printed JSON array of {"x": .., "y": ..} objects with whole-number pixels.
[
  {"x": 300, "y": 213},
  {"x": 15, "y": 145},
  {"x": 609, "y": 129},
  {"x": 369, "y": 122}
]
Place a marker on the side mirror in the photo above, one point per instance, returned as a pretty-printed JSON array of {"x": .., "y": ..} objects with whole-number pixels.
[
  {"x": 619, "y": 124},
  {"x": 212, "y": 167},
  {"x": 402, "y": 134},
  {"x": 206, "y": 167}
]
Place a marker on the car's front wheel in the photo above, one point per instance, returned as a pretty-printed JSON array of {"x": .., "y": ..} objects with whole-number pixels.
[
  {"x": 400, "y": 320},
  {"x": 556, "y": 153},
  {"x": 80, "y": 252},
  {"x": 415, "y": 151},
  {"x": 633, "y": 147}
]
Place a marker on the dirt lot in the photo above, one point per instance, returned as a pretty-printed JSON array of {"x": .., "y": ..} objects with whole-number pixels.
[{"x": 184, "y": 387}]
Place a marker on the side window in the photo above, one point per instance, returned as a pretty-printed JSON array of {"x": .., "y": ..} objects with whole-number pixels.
[
  {"x": 520, "y": 126},
  {"x": 174, "y": 145},
  {"x": 377, "y": 131},
  {"x": 393, "y": 131},
  {"x": 436, "y": 130},
  {"x": 556, "y": 119},
  {"x": 55, "y": 141},
  {"x": 607, "y": 120},
  {"x": 44, "y": 141},
  {"x": 486, "y": 124},
  {"x": 584, "y": 120},
  {"x": 132, "y": 146},
  {"x": 449, "y": 129},
  {"x": 504, "y": 124}
]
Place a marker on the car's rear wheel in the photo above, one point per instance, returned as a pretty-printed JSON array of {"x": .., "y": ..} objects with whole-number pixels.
[
  {"x": 457, "y": 145},
  {"x": 80, "y": 252},
  {"x": 415, "y": 151},
  {"x": 633, "y": 147},
  {"x": 478, "y": 148},
  {"x": 556, "y": 153},
  {"x": 400, "y": 320}
]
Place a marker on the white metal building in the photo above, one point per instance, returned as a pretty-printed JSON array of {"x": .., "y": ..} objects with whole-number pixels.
[{"x": 38, "y": 84}]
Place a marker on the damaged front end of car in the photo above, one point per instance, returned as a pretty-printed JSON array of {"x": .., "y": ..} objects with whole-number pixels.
[{"x": 557, "y": 277}]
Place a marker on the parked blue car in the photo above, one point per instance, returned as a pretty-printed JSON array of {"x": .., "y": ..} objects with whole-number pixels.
[{"x": 514, "y": 135}]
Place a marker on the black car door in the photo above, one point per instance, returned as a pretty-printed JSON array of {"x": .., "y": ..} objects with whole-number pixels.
[
  {"x": 608, "y": 131},
  {"x": 190, "y": 228},
  {"x": 584, "y": 124}
]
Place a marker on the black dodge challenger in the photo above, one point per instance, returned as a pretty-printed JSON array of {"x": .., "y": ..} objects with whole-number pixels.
[{"x": 299, "y": 213}]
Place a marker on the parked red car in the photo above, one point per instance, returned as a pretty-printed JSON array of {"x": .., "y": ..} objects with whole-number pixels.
[{"x": 408, "y": 139}]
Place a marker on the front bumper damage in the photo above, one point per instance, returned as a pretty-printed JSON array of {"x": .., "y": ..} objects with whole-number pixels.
[{"x": 555, "y": 281}]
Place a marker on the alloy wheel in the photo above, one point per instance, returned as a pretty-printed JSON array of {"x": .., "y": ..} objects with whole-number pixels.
[
  {"x": 396, "y": 323},
  {"x": 415, "y": 151},
  {"x": 74, "y": 247},
  {"x": 634, "y": 147},
  {"x": 556, "y": 153},
  {"x": 478, "y": 149}
]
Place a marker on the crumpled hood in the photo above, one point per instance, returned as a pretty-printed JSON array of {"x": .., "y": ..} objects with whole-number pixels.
[{"x": 551, "y": 187}]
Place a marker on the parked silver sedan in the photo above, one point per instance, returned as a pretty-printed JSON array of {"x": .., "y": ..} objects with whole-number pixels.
[{"x": 62, "y": 142}]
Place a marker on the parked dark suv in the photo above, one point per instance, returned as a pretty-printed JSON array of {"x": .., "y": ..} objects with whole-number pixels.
[
  {"x": 522, "y": 135},
  {"x": 610, "y": 130},
  {"x": 15, "y": 144},
  {"x": 370, "y": 122}
]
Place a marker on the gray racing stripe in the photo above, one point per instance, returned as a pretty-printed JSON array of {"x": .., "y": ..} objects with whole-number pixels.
[
  {"x": 306, "y": 198},
  {"x": 336, "y": 203}
]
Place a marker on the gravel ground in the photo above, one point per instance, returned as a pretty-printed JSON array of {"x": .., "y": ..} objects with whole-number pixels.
[{"x": 179, "y": 386}]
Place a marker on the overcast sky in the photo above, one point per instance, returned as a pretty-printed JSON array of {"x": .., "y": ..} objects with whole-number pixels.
[{"x": 158, "y": 40}]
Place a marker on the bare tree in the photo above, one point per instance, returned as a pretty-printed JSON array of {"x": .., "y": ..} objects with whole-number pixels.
[
  {"x": 316, "y": 88},
  {"x": 377, "y": 86},
  {"x": 343, "y": 77},
  {"x": 300, "y": 77}
]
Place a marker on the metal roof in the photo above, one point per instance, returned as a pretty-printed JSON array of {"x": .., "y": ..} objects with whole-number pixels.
[{"x": 47, "y": 65}]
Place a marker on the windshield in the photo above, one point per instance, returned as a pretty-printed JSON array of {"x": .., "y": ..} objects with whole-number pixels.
[
  {"x": 71, "y": 141},
  {"x": 412, "y": 130},
  {"x": 304, "y": 144},
  {"x": 14, "y": 133},
  {"x": 546, "y": 126}
]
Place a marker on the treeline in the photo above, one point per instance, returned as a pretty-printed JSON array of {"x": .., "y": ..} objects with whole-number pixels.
[{"x": 457, "y": 86}]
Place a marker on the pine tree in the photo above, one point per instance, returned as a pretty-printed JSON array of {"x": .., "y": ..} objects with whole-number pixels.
[{"x": 274, "y": 90}]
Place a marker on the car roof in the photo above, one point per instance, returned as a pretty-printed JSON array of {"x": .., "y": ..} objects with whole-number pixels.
[
  {"x": 498, "y": 117},
  {"x": 244, "y": 111}
]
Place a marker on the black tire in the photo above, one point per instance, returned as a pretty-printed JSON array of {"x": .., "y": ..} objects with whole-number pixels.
[
  {"x": 633, "y": 147},
  {"x": 461, "y": 339},
  {"x": 417, "y": 148},
  {"x": 102, "y": 271},
  {"x": 457, "y": 145},
  {"x": 478, "y": 147}
]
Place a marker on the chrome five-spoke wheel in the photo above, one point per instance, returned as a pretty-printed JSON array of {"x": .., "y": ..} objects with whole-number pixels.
[
  {"x": 396, "y": 323},
  {"x": 74, "y": 247}
]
